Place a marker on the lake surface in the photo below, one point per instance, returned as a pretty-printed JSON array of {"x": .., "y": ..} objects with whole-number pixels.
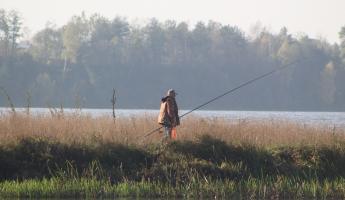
[{"x": 336, "y": 119}]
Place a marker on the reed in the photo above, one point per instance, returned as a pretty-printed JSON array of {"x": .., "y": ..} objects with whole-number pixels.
[
  {"x": 82, "y": 128},
  {"x": 79, "y": 156}
]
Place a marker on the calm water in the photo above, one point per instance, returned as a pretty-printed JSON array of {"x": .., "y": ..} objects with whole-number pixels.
[{"x": 321, "y": 118}]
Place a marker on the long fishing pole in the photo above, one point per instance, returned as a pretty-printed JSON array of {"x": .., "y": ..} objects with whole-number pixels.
[
  {"x": 242, "y": 85},
  {"x": 232, "y": 90}
]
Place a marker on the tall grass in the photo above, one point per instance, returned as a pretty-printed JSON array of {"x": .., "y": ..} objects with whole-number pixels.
[
  {"x": 82, "y": 128},
  {"x": 80, "y": 156}
]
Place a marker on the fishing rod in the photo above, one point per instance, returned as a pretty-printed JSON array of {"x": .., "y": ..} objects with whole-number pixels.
[{"x": 231, "y": 90}]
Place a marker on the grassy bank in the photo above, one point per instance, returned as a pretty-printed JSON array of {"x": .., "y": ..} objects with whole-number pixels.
[
  {"x": 44, "y": 156},
  {"x": 208, "y": 167},
  {"x": 249, "y": 189}
]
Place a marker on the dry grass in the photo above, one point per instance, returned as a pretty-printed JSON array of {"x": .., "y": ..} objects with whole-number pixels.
[
  {"x": 81, "y": 128},
  {"x": 262, "y": 133}
]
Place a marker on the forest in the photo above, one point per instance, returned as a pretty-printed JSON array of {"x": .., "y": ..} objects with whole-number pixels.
[{"x": 80, "y": 63}]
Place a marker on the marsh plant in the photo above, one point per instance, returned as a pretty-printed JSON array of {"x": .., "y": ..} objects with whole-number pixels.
[{"x": 77, "y": 155}]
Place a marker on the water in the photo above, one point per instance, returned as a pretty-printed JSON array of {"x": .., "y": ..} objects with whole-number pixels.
[{"x": 336, "y": 119}]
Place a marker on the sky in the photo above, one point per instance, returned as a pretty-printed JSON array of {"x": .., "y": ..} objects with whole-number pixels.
[{"x": 316, "y": 18}]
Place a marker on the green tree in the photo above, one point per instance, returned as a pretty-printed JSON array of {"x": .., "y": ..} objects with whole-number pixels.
[
  {"x": 73, "y": 35},
  {"x": 4, "y": 33},
  {"x": 14, "y": 28},
  {"x": 200, "y": 43},
  {"x": 327, "y": 82},
  {"x": 342, "y": 42},
  {"x": 155, "y": 41},
  {"x": 47, "y": 45}
]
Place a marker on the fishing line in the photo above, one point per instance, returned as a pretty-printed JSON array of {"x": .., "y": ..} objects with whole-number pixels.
[{"x": 230, "y": 91}]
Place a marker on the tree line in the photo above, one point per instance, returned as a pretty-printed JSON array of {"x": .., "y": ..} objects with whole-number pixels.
[{"x": 79, "y": 64}]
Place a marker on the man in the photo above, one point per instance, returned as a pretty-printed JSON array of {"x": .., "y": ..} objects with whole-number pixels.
[{"x": 168, "y": 115}]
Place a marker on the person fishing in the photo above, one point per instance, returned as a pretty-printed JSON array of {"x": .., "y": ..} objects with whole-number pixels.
[
  {"x": 168, "y": 115},
  {"x": 169, "y": 122}
]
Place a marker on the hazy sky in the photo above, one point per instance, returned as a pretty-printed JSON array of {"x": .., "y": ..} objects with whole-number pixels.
[{"x": 317, "y": 18}]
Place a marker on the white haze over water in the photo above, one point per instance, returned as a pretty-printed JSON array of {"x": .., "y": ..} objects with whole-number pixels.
[{"x": 316, "y": 18}]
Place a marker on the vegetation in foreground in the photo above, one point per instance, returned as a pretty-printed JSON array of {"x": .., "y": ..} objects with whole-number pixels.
[
  {"x": 40, "y": 165},
  {"x": 249, "y": 189}
]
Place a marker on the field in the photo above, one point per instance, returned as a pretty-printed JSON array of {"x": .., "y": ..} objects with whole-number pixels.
[{"x": 79, "y": 156}]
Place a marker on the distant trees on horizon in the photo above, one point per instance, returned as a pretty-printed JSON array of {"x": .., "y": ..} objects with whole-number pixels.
[{"x": 81, "y": 62}]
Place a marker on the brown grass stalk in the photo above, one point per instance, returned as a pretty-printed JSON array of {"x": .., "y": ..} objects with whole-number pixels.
[{"x": 83, "y": 128}]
